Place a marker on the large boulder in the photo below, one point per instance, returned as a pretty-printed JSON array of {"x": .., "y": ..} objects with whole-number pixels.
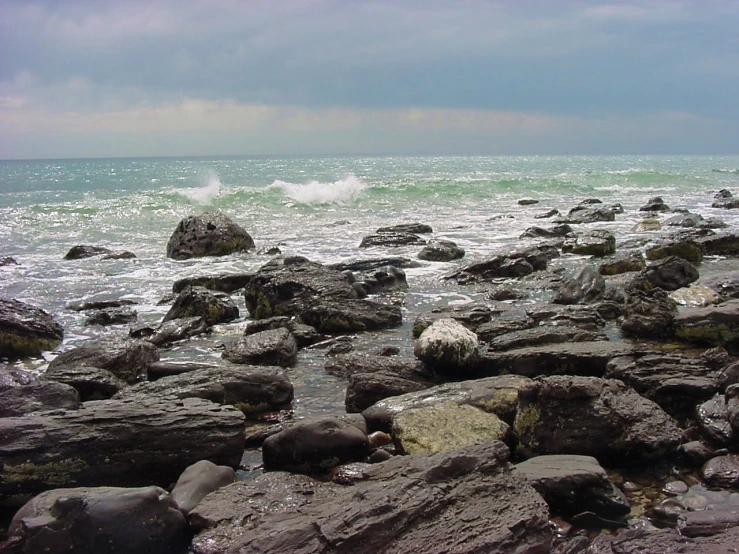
[
  {"x": 272, "y": 347},
  {"x": 26, "y": 330},
  {"x": 364, "y": 389},
  {"x": 441, "y": 251},
  {"x": 227, "y": 283},
  {"x": 648, "y": 314},
  {"x": 174, "y": 330},
  {"x": 594, "y": 417},
  {"x": 92, "y": 383},
  {"x": 104, "y": 520},
  {"x": 126, "y": 359},
  {"x": 598, "y": 243},
  {"x": 201, "y": 302},
  {"x": 463, "y": 501},
  {"x": 127, "y": 443},
  {"x": 711, "y": 325},
  {"x": 588, "y": 214},
  {"x": 669, "y": 273},
  {"x": 199, "y": 480},
  {"x": 39, "y": 395},
  {"x": 343, "y": 315},
  {"x": 686, "y": 249},
  {"x": 543, "y": 334},
  {"x": 447, "y": 346},
  {"x": 469, "y": 315},
  {"x": 622, "y": 264},
  {"x": 724, "y": 199},
  {"x": 208, "y": 234},
  {"x": 586, "y": 287},
  {"x": 655, "y": 204}
]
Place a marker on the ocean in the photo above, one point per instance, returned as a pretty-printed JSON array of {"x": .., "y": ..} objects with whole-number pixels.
[{"x": 317, "y": 207}]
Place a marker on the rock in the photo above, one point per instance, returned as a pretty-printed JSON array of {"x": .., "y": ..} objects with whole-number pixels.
[
  {"x": 391, "y": 239},
  {"x": 346, "y": 365},
  {"x": 726, "y": 285},
  {"x": 315, "y": 446},
  {"x": 655, "y": 204},
  {"x": 274, "y": 347},
  {"x": 121, "y": 255},
  {"x": 251, "y": 389},
  {"x": 364, "y": 389},
  {"x": 418, "y": 228},
  {"x": 695, "y": 453},
  {"x": 646, "y": 225},
  {"x": 622, "y": 264},
  {"x": 496, "y": 395},
  {"x": 36, "y": 396},
  {"x": 584, "y": 317},
  {"x": 648, "y": 315},
  {"x": 446, "y": 426},
  {"x": 572, "y": 484},
  {"x": 594, "y": 417},
  {"x": 387, "y": 279},
  {"x": 469, "y": 315},
  {"x": 542, "y": 335},
  {"x": 207, "y": 234},
  {"x": 104, "y": 520},
  {"x": 98, "y": 304},
  {"x": 585, "y": 287},
  {"x": 696, "y": 296},
  {"x": 126, "y": 359},
  {"x": 713, "y": 419},
  {"x": 712, "y": 325},
  {"x": 441, "y": 251},
  {"x": 687, "y": 250},
  {"x": 721, "y": 244},
  {"x": 498, "y": 266},
  {"x": 669, "y": 273},
  {"x": 226, "y": 283},
  {"x": 447, "y": 346},
  {"x": 722, "y": 471},
  {"x": 115, "y": 442},
  {"x": 463, "y": 501},
  {"x": 92, "y": 383},
  {"x": 674, "y": 382},
  {"x": 725, "y": 200},
  {"x": 563, "y": 230},
  {"x": 200, "y": 302},
  {"x": 113, "y": 316},
  {"x": 706, "y": 522},
  {"x": 350, "y": 316},
  {"x": 597, "y": 242},
  {"x": 663, "y": 541},
  {"x": 547, "y": 215},
  {"x": 199, "y": 480},
  {"x": 160, "y": 369},
  {"x": 527, "y": 202},
  {"x": 373, "y": 264},
  {"x": 174, "y": 330},
  {"x": 305, "y": 335},
  {"x": 82, "y": 251},
  {"x": 7, "y": 260},
  {"x": 732, "y": 406},
  {"x": 588, "y": 214},
  {"x": 26, "y": 330}
]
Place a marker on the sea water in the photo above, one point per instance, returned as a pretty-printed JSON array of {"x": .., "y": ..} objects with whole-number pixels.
[{"x": 317, "y": 207}]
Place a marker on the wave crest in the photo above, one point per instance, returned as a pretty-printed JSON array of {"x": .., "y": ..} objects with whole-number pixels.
[
  {"x": 205, "y": 193},
  {"x": 314, "y": 192}
]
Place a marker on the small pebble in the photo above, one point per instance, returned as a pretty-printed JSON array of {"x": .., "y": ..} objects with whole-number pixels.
[{"x": 675, "y": 487}]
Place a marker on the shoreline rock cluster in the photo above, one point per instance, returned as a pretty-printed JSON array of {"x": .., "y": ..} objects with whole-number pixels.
[{"x": 493, "y": 437}]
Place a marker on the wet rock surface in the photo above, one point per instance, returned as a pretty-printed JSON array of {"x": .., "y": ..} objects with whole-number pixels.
[
  {"x": 26, "y": 330},
  {"x": 208, "y": 234}
]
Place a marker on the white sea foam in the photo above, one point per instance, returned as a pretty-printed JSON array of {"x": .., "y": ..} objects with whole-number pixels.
[
  {"x": 210, "y": 189},
  {"x": 314, "y": 192}
]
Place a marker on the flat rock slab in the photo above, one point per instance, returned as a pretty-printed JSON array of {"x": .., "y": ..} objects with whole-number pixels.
[
  {"x": 711, "y": 325},
  {"x": 26, "y": 330}
]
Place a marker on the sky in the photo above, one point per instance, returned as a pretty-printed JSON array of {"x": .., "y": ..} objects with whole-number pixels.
[{"x": 102, "y": 78}]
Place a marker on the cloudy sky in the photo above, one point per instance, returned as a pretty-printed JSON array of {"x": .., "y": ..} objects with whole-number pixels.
[{"x": 91, "y": 78}]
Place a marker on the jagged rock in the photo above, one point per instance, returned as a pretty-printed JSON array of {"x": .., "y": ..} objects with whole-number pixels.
[
  {"x": 597, "y": 242},
  {"x": 712, "y": 325},
  {"x": 82, "y": 251},
  {"x": 26, "y": 330},
  {"x": 622, "y": 264},
  {"x": 462, "y": 501},
  {"x": 722, "y": 471},
  {"x": 572, "y": 484},
  {"x": 385, "y": 279},
  {"x": 126, "y": 359},
  {"x": 39, "y": 395},
  {"x": 726, "y": 285},
  {"x": 305, "y": 335},
  {"x": 648, "y": 315},
  {"x": 365, "y": 389},
  {"x": 315, "y": 445},
  {"x": 273, "y": 347},
  {"x": 200, "y": 302},
  {"x": 373, "y": 264},
  {"x": 92, "y": 383},
  {"x": 585, "y": 287},
  {"x": 199, "y": 480},
  {"x": 512, "y": 264},
  {"x": 349, "y": 316},
  {"x": 222, "y": 283},
  {"x": 171, "y": 331},
  {"x": 543, "y": 334},
  {"x": 669, "y": 274},
  {"x": 595, "y": 417},
  {"x": 713, "y": 418},
  {"x": 441, "y": 251},
  {"x": 655, "y": 204},
  {"x": 208, "y": 234},
  {"x": 116, "y": 443},
  {"x": 112, "y": 316},
  {"x": 104, "y": 520},
  {"x": 447, "y": 346},
  {"x": 547, "y": 214}
]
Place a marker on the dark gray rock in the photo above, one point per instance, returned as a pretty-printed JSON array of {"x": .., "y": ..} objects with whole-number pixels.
[
  {"x": 584, "y": 317},
  {"x": 350, "y": 316},
  {"x": 707, "y": 522},
  {"x": 169, "y": 332},
  {"x": 441, "y": 251},
  {"x": 725, "y": 284},
  {"x": 125, "y": 443},
  {"x": 346, "y": 365},
  {"x": 572, "y": 484},
  {"x": 469, "y": 315},
  {"x": 662, "y": 541},
  {"x": 226, "y": 283},
  {"x": 463, "y": 501},
  {"x": 315, "y": 446},
  {"x": 85, "y": 305},
  {"x": 92, "y": 383},
  {"x": 305, "y": 335},
  {"x": 655, "y": 204},
  {"x": 713, "y": 418},
  {"x": 527, "y": 202},
  {"x": 622, "y": 264},
  {"x": 7, "y": 260},
  {"x": 82, "y": 251},
  {"x": 588, "y": 214},
  {"x": 201, "y": 302},
  {"x": 365, "y": 389},
  {"x": 391, "y": 239},
  {"x": 126, "y": 359},
  {"x": 373, "y": 264},
  {"x": 722, "y": 471},
  {"x": 669, "y": 273},
  {"x": 418, "y": 228},
  {"x": 725, "y": 200},
  {"x": 38, "y": 395},
  {"x": 486, "y": 332},
  {"x": 563, "y": 230},
  {"x": 543, "y": 334},
  {"x": 586, "y": 287},
  {"x": 711, "y": 325},
  {"x": 597, "y": 243},
  {"x": 112, "y": 316},
  {"x": 648, "y": 314},
  {"x": 199, "y": 480},
  {"x": 732, "y": 406},
  {"x": 273, "y": 347},
  {"x": 208, "y": 234},
  {"x": 594, "y": 417},
  {"x": 720, "y": 244},
  {"x": 686, "y": 249},
  {"x": 26, "y": 330},
  {"x": 547, "y": 214},
  {"x": 103, "y": 520},
  {"x": 251, "y": 389}
]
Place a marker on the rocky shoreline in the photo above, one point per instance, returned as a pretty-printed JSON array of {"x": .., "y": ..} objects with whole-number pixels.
[{"x": 588, "y": 404}]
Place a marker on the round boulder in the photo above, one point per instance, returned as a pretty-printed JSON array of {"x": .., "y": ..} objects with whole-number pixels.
[
  {"x": 448, "y": 346},
  {"x": 208, "y": 234}
]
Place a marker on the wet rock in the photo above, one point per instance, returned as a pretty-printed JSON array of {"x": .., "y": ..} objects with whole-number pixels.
[
  {"x": 160, "y": 369},
  {"x": 208, "y": 234},
  {"x": 469, "y": 315},
  {"x": 199, "y": 480},
  {"x": 597, "y": 242},
  {"x": 720, "y": 244},
  {"x": 350, "y": 316},
  {"x": 584, "y": 317},
  {"x": 713, "y": 418},
  {"x": 251, "y": 389},
  {"x": 595, "y": 417},
  {"x": 386, "y": 279},
  {"x": 365, "y": 389},
  {"x": 722, "y": 471},
  {"x": 712, "y": 325},
  {"x": 200, "y": 302},
  {"x": 104, "y": 520},
  {"x": 726, "y": 285},
  {"x": 441, "y": 251},
  {"x": 527, "y": 202},
  {"x": 707, "y": 522},
  {"x": 541, "y": 335},
  {"x": 346, "y": 365},
  {"x": 373, "y": 264},
  {"x": 391, "y": 239},
  {"x": 496, "y": 395},
  {"x": 445, "y": 502},
  {"x": 222, "y": 283},
  {"x": 274, "y": 347},
  {"x": 563, "y": 230},
  {"x": 655, "y": 204},
  {"x": 82, "y": 251},
  {"x": 108, "y": 442},
  {"x": 114, "y": 316},
  {"x": 120, "y": 255},
  {"x": 696, "y": 296},
  {"x": 664, "y": 541},
  {"x": 732, "y": 406},
  {"x": 447, "y": 346},
  {"x": 586, "y": 287},
  {"x": 687, "y": 250},
  {"x": 418, "y": 228},
  {"x": 695, "y": 453},
  {"x": 588, "y": 214},
  {"x": 85, "y": 305},
  {"x": 315, "y": 446},
  {"x": 724, "y": 199},
  {"x": 646, "y": 225},
  {"x": 126, "y": 359},
  {"x": 92, "y": 383},
  {"x": 169, "y": 332},
  {"x": 622, "y": 264},
  {"x": 547, "y": 214},
  {"x": 26, "y": 330},
  {"x": 446, "y": 426},
  {"x": 36, "y": 396},
  {"x": 648, "y": 315},
  {"x": 305, "y": 335},
  {"x": 501, "y": 326},
  {"x": 7, "y": 260},
  {"x": 668, "y": 274},
  {"x": 571, "y": 484},
  {"x": 496, "y": 267}
]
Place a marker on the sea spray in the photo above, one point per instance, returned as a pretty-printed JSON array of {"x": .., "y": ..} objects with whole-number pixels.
[
  {"x": 204, "y": 194},
  {"x": 315, "y": 192}
]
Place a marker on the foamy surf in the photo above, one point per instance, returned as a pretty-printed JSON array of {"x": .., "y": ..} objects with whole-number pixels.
[
  {"x": 205, "y": 193},
  {"x": 314, "y": 192}
]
